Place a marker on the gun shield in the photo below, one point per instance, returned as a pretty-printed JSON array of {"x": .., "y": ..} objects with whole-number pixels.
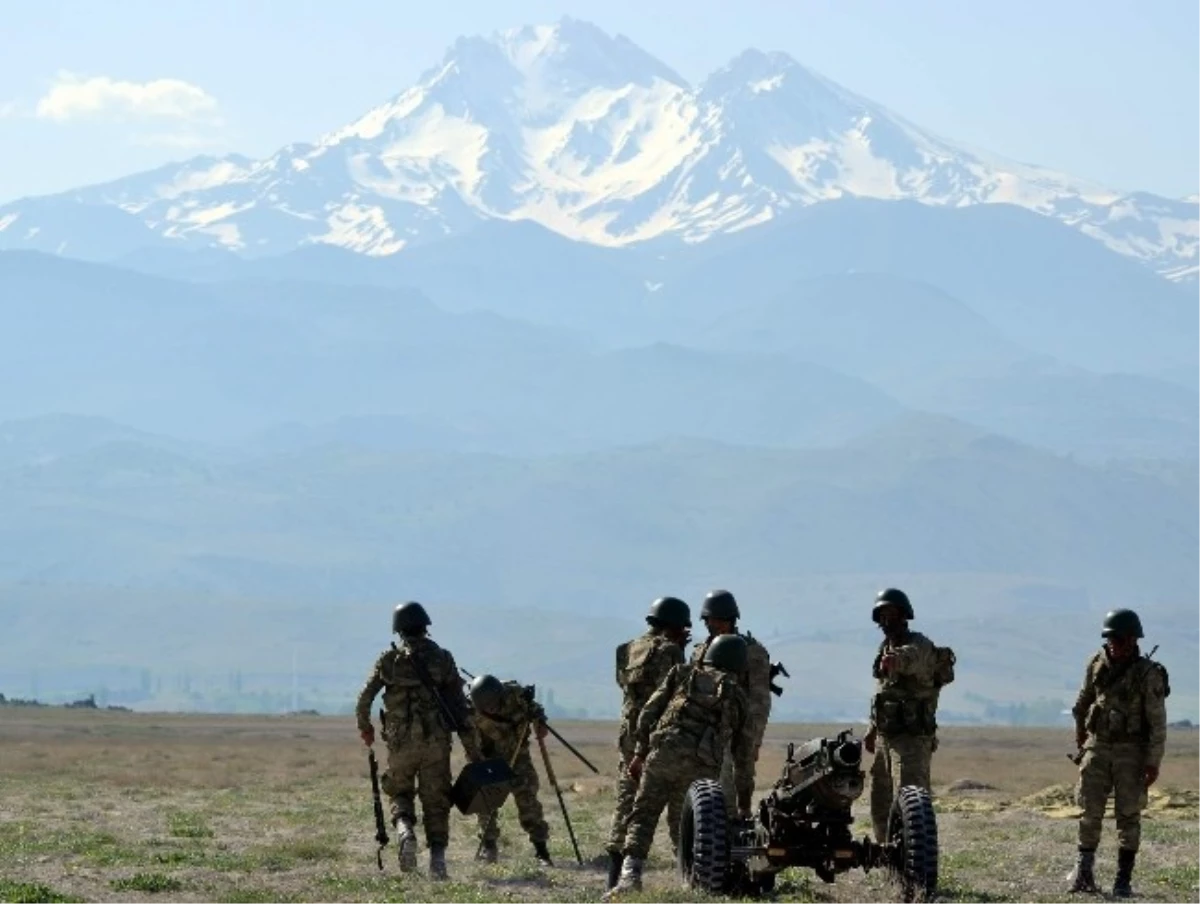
[{"x": 482, "y": 786}]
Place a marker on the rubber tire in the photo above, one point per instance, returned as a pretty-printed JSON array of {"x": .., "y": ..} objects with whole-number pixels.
[
  {"x": 704, "y": 838},
  {"x": 913, "y": 825}
]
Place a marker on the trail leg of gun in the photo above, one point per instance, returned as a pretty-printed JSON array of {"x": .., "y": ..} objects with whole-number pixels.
[{"x": 562, "y": 803}]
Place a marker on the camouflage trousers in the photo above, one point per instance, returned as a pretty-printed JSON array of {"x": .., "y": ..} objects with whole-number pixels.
[
  {"x": 419, "y": 766},
  {"x": 728, "y": 786},
  {"x": 1117, "y": 769},
  {"x": 529, "y": 808},
  {"x": 627, "y": 790},
  {"x": 899, "y": 760},
  {"x": 665, "y": 779}
]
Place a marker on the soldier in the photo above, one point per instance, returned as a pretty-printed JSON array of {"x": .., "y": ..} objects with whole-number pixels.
[
  {"x": 642, "y": 664},
  {"x": 416, "y": 733},
  {"x": 720, "y": 614},
  {"x": 1121, "y": 729},
  {"x": 902, "y": 733},
  {"x": 505, "y": 713},
  {"x": 697, "y": 713}
]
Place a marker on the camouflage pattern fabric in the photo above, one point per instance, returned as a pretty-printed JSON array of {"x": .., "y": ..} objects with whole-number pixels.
[
  {"x": 902, "y": 760},
  {"x": 642, "y": 664},
  {"x": 416, "y": 736},
  {"x": 1123, "y": 715},
  {"x": 500, "y": 732}
]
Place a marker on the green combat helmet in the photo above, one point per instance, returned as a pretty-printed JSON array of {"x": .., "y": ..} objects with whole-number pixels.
[
  {"x": 892, "y": 597},
  {"x": 486, "y": 691},
  {"x": 669, "y": 612},
  {"x": 409, "y": 617},
  {"x": 720, "y": 604},
  {"x": 1122, "y": 623},
  {"x": 727, "y": 652}
]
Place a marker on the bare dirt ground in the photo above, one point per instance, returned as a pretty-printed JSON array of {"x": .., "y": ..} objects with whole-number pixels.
[{"x": 108, "y": 806}]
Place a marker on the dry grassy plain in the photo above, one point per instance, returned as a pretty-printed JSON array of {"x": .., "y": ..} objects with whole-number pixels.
[{"x": 105, "y": 806}]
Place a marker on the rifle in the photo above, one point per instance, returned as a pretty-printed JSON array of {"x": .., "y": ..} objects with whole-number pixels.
[
  {"x": 778, "y": 668},
  {"x": 529, "y": 694},
  {"x": 381, "y": 835},
  {"x": 561, "y": 802}
]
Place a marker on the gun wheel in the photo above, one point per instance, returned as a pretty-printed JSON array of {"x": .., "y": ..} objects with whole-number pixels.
[
  {"x": 704, "y": 837},
  {"x": 912, "y": 829}
]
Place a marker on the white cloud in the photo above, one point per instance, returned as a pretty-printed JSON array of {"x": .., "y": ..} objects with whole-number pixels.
[
  {"x": 9, "y": 109},
  {"x": 100, "y": 97}
]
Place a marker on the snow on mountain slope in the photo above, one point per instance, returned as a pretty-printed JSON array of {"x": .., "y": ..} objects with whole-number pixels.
[{"x": 595, "y": 139}]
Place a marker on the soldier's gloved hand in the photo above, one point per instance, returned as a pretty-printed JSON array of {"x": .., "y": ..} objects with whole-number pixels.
[
  {"x": 888, "y": 663},
  {"x": 540, "y": 731},
  {"x": 635, "y": 768},
  {"x": 869, "y": 740},
  {"x": 1080, "y": 739},
  {"x": 368, "y": 735},
  {"x": 1151, "y": 775}
]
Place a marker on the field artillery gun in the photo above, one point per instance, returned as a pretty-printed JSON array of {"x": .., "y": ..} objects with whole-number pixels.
[{"x": 805, "y": 821}]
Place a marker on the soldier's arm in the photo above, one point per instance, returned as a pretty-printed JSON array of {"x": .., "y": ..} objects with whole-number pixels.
[
  {"x": 758, "y": 699},
  {"x": 452, "y": 692},
  {"x": 653, "y": 710},
  {"x": 1156, "y": 716},
  {"x": 374, "y": 684},
  {"x": 914, "y": 658},
  {"x": 1084, "y": 700},
  {"x": 744, "y": 749}
]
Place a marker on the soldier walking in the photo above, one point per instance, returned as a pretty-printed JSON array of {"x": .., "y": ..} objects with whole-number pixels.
[
  {"x": 642, "y": 664},
  {"x": 505, "y": 714},
  {"x": 416, "y": 733},
  {"x": 1121, "y": 729},
  {"x": 902, "y": 734},
  {"x": 697, "y": 713},
  {"x": 720, "y": 614}
]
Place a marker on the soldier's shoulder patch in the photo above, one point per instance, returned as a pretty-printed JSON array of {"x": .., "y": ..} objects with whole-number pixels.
[{"x": 1159, "y": 680}]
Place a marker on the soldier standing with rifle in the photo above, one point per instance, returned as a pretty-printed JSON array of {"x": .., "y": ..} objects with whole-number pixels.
[
  {"x": 909, "y": 671},
  {"x": 505, "y": 713},
  {"x": 642, "y": 664},
  {"x": 1120, "y": 730},
  {"x": 424, "y": 703},
  {"x": 720, "y": 614}
]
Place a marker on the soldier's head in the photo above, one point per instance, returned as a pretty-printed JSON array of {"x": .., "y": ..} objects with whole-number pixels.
[
  {"x": 727, "y": 652},
  {"x": 1121, "y": 632},
  {"x": 892, "y": 612},
  {"x": 719, "y": 613},
  {"x": 486, "y": 691},
  {"x": 671, "y": 617},
  {"x": 410, "y": 620}
]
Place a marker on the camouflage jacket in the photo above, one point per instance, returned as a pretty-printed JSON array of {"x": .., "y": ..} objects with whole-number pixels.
[
  {"x": 1124, "y": 704},
  {"x": 502, "y": 730},
  {"x": 411, "y": 710},
  {"x": 642, "y": 664},
  {"x": 755, "y": 681},
  {"x": 704, "y": 712},
  {"x": 905, "y": 700}
]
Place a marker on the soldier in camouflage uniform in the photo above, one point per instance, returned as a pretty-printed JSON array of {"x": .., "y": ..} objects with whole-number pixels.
[
  {"x": 642, "y": 664},
  {"x": 505, "y": 714},
  {"x": 417, "y": 737},
  {"x": 902, "y": 733},
  {"x": 720, "y": 614},
  {"x": 697, "y": 713},
  {"x": 1121, "y": 729}
]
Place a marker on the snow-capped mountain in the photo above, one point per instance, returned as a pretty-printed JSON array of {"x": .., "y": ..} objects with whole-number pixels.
[{"x": 593, "y": 138}]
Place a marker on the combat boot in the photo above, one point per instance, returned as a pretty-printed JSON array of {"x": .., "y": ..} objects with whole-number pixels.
[
  {"x": 630, "y": 880},
  {"x": 406, "y": 843},
  {"x": 542, "y": 853},
  {"x": 614, "y": 869},
  {"x": 489, "y": 852},
  {"x": 1083, "y": 877},
  {"x": 437, "y": 862},
  {"x": 1123, "y": 884}
]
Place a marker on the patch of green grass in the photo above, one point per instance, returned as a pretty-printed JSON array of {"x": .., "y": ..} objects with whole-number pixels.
[
  {"x": 956, "y": 890},
  {"x": 283, "y": 855},
  {"x": 30, "y": 893},
  {"x": 1184, "y": 877},
  {"x": 185, "y": 824},
  {"x": 248, "y": 894},
  {"x": 150, "y": 883}
]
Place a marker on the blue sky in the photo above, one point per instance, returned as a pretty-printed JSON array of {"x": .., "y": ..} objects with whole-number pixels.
[{"x": 90, "y": 91}]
